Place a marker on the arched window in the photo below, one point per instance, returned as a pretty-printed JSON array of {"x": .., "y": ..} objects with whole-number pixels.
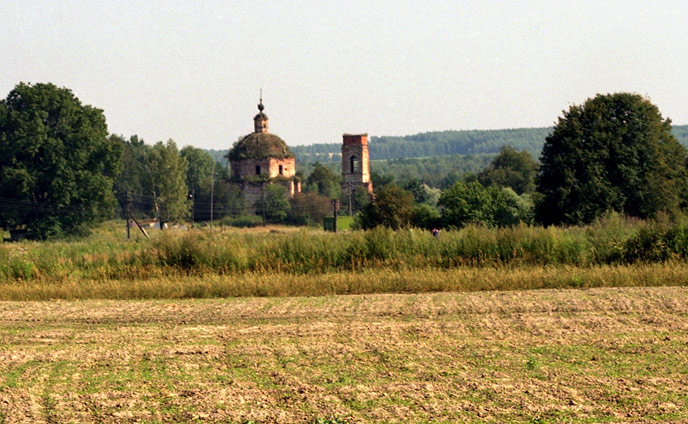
[
  {"x": 355, "y": 164},
  {"x": 281, "y": 170}
]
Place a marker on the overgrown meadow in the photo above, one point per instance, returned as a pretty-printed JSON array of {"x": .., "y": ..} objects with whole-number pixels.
[{"x": 288, "y": 261}]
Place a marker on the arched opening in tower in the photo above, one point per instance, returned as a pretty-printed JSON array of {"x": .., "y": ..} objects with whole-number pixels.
[{"x": 355, "y": 165}]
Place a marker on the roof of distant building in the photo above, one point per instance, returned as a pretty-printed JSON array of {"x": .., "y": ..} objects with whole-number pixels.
[{"x": 260, "y": 146}]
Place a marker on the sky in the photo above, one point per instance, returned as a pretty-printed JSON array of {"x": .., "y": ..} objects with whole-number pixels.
[{"x": 192, "y": 71}]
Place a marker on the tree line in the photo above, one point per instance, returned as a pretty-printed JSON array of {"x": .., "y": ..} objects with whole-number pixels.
[
  {"x": 443, "y": 143},
  {"x": 613, "y": 154},
  {"x": 421, "y": 160},
  {"x": 61, "y": 171}
]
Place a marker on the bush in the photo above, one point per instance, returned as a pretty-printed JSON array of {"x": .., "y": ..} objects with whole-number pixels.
[
  {"x": 425, "y": 216},
  {"x": 242, "y": 221}
]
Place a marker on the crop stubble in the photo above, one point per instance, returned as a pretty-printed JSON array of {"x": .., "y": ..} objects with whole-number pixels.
[{"x": 607, "y": 354}]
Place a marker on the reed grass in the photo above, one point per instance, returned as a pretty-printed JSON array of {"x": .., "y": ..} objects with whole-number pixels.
[
  {"x": 462, "y": 279},
  {"x": 278, "y": 261}
]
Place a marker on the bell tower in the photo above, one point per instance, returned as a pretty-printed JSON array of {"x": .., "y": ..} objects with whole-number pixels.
[{"x": 356, "y": 163}]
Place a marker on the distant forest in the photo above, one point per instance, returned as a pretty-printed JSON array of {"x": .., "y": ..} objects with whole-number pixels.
[
  {"x": 442, "y": 143},
  {"x": 433, "y": 156},
  {"x": 438, "y": 143}
]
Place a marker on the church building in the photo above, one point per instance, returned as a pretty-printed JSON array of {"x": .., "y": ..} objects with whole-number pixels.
[{"x": 262, "y": 158}]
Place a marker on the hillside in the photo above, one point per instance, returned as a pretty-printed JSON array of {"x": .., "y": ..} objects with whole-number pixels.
[
  {"x": 442, "y": 143},
  {"x": 433, "y": 155}
]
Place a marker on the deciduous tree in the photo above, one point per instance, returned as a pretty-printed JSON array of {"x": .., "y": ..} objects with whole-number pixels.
[
  {"x": 470, "y": 203},
  {"x": 613, "y": 153},
  {"x": 275, "y": 205},
  {"x": 199, "y": 166},
  {"x": 167, "y": 173},
  {"x": 132, "y": 185},
  {"x": 56, "y": 162},
  {"x": 307, "y": 208},
  {"x": 323, "y": 182},
  {"x": 392, "y": 207},
  {"x": 511, "y": 168}
]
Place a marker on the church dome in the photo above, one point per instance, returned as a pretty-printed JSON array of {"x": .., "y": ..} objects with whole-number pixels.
[{"x": 260, "y": 146}]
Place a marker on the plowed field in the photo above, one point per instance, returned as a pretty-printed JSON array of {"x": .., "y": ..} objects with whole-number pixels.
[{"x": 611, "y": 354}]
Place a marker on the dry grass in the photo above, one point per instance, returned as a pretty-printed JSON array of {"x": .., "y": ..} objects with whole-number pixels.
[
  {"x": 369, "y": 281},
  {"x": 598, "y": 355},
  {"x": 106, "y": 255}
]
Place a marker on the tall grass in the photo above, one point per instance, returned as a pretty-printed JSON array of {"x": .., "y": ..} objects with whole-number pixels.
[
  {"x": 106, "y": 256},
  {"x": 460, "y": 279}
]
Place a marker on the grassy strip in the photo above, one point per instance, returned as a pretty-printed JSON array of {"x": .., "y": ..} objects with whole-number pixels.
[
  {"x": 107, "y": 256},
  {"x": 462, "y": 279}
]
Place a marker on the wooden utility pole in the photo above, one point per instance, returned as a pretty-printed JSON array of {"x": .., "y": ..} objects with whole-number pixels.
[
  {"x": 140, "y": 227},
  {"x": 157, "y": 210},
  {"x": 193, "y": 206},
  {"x": 127, "y": 212},
  {"x": 351, "y": 207},
  {"x": 212, "y": 195},
  {"x": 335, "y": 208},
  {"x": 263, "y": 202}
]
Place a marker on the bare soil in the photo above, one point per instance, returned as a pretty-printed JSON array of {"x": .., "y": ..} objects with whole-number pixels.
[{"x": 608, "y": 354}]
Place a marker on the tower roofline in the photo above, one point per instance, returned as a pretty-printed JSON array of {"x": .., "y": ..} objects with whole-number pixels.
[{"x": 355, "y": 139}]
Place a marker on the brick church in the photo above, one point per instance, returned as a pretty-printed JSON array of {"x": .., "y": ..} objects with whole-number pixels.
[{"x": 262, "y": 158}]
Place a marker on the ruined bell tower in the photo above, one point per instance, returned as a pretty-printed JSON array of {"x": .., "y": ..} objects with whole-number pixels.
[{"x": 355, "y": 163}]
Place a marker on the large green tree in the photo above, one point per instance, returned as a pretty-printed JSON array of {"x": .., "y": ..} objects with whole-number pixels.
[
  {"x": 613, "y": 153},
  {"x": 359, "y": 198},
  {"x": 224, "y": 197},
  {"x": 274, "y": 205},
  {"x": 511, "y": 168},
  {"x": 200, "y": 166},
  {"x": 324, "y": 182},
  {"x": 56, "y": 162},
  {"x": 308, "y": 208},
  {"x": 470, "y": 203},
  {"x": 205, "y": 187},
  {"x": 132, "y": 185},
  {"x": 393, "y": 207},
  {"x": 168, "y": 186}
]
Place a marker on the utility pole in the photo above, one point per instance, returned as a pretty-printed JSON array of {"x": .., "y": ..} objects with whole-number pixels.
[
  {"x": 127, "y": 212},
  {"x": 335, "y": 208},
  {"x": 157, "y": 210},
  {"x": 263, "y": 202},
  {"x": 193, "y": 205},
  {"x": 140, "y": 227},
  {"x": 212, "y": 195},
  {"x": 351, "y": 207}
]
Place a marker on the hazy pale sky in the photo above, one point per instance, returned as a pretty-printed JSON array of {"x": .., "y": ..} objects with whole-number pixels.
[{"x": 192, "y": 70}]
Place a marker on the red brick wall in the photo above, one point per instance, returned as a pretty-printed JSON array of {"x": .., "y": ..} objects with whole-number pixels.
[
  {"x": 268, "y": 167},
  {"x": 356, "y": 145},
  {"x": 355, "y": 139}
]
